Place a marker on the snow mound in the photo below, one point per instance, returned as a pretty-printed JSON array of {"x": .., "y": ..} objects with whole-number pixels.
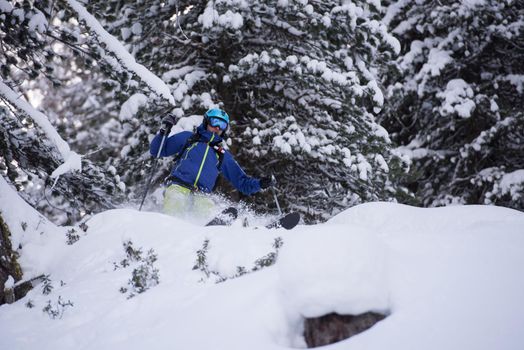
[
  {"x": 397, "y": 219},
  {"x": 340, "y": 271},
  {"x": 449, "y": 278}
]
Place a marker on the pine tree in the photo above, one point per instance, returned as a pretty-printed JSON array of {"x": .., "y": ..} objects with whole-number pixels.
[
  {"x": 299, "y": 79},
  {"x": 456, "y": 99}
]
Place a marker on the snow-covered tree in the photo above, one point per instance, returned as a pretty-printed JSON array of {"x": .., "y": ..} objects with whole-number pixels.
[
  {"x": 299, "y": 79},
  {"x": 456, "y": 103},
  {"x": 33, "y": 156}
]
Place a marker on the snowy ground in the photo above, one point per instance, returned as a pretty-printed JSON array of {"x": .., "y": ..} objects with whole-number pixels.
[{"x": 450, "y": 278}]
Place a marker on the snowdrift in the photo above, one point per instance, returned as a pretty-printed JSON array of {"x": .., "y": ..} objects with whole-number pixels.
[{"x": 448, "y": 278}]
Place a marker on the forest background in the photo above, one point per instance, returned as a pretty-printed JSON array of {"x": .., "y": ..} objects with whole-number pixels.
[{"x": 345, "y": 102}]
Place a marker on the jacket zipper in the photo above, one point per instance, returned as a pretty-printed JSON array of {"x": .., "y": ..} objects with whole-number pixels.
[
  {"x": 187, "y": 154},
  {"x": 203, "y": 161}
]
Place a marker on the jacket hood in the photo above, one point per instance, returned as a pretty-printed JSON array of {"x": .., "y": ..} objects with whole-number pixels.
[{"x": 206, "y": 135}]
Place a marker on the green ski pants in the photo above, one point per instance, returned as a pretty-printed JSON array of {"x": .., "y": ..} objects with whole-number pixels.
[{"x": 181, "y": 202}]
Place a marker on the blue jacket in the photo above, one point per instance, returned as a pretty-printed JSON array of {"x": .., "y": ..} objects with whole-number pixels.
[{"x": 197, "y": 166}]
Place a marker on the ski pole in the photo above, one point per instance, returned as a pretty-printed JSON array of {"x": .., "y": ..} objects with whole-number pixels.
[
  {"x": 153, "y": 169},
  {"x": 275, "y": 195}
]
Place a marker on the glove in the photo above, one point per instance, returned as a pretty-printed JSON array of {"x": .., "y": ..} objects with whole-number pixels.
[
  {"x": 266, "y": 182},
  {"x": 167, "y": 123}
]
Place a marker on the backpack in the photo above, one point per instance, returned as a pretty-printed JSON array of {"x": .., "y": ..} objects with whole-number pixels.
[{"x": 195, "y": 138}]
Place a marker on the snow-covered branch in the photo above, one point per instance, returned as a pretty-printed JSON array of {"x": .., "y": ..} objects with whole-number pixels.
[
  {"x": 116, "y": 47},
  {"x": 72, "y": 160}
]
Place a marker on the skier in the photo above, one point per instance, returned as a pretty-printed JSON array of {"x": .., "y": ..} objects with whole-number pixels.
[{"x": 199, "y": 158}]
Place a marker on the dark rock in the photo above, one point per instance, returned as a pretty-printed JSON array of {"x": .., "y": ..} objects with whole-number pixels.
[{"x": 333, "y": 327}]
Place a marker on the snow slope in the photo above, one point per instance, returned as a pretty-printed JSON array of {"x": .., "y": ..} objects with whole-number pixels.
[{"x": 449, "y": 278}]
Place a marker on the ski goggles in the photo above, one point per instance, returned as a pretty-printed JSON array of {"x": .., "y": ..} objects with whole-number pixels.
[{"x": 221, "y": 123}]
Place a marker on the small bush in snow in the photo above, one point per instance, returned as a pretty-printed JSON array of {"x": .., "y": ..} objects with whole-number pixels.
[
  {"x": 57, "y": 310},
  {"x": 83, "y": 227},
  {"x": 270, "y": 258},
  {"x": 132, "y": 255},
  {"x": 72, "y": 237},
  {"x": 201, "y": 263},
  {"x": 47, "y": 286},
  {"x": 144, "y": 275}
]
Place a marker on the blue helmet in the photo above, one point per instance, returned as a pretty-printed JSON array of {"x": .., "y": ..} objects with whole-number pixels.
[
  {"x": 217, "y": 113},
  {"x": 217, "y": 117}
]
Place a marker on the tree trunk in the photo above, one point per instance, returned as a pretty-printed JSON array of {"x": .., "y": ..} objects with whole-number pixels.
[{"x": 8, "y": 263}]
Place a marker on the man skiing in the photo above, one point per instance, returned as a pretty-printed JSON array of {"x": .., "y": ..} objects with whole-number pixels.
[{"x": 199, "y": 159}]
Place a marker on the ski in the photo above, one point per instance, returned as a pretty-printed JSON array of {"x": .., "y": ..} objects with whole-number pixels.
[
  {"x": 288, "y": 221},
  {"x": 224, "y": 218}
]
